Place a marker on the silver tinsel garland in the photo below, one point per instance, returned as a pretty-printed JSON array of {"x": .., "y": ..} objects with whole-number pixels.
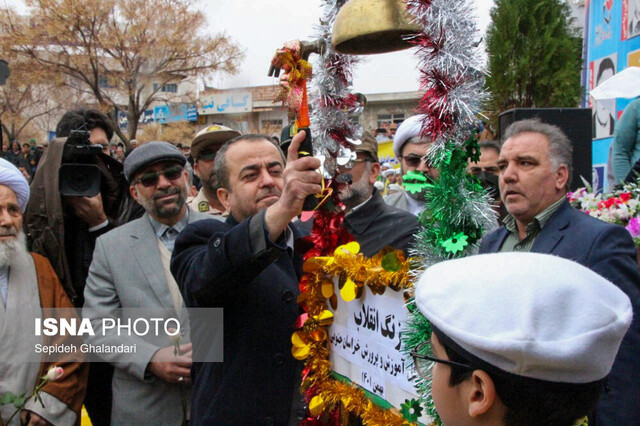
[
  {"x": 331, "y": 88},
  {"x": 449, "y": 54}
]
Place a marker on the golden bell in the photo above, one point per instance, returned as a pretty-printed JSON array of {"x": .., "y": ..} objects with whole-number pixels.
[{"x": 365, "y": 27}]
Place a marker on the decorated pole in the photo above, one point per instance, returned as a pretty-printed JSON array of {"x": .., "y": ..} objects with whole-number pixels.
[{"x": 457, "y": 210}]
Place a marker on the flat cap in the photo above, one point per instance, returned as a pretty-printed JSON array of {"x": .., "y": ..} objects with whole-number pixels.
[
  {"x": 408, "y": 129},
  {"x": 151, "y": 153},
  {"x": 532, "y": 315},
  {"x": 213, "y": 136}
]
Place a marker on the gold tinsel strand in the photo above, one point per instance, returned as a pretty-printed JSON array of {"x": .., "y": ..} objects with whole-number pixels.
[{"x": 363, "y": 271}]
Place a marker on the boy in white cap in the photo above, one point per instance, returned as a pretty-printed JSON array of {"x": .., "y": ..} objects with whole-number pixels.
[{"x": 531, "y": 346}]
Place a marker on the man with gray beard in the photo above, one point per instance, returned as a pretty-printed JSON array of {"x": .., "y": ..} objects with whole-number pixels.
[
  {"x": 130, "y": 269},
  {"x": 29, "y": 286},
  {"x": 373, "y": 224}
]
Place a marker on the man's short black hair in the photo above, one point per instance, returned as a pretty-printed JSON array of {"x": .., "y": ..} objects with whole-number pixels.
[
  {"x": 534, "y": 404},
  {"x": 220, "y": 166},
  {"x": 74, "y": 119},
  {"x": 26, "y": 144}
]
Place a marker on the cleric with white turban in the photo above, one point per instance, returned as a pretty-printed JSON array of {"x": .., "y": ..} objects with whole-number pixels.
[
  {"x": 408, "y": 131},
  {"x": 28, "y": 286},
  {"x": 410, "y": 148},
  {"x": 13, "y": 178}
]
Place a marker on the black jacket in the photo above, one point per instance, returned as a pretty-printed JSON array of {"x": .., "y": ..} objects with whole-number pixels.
[
  {"x": 55, "y": 232},
  {"x": 376, "y": 224},
  {"x": 236, "y": 267}
]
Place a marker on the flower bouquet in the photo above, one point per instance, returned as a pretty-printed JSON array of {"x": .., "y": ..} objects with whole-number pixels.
[{"x": 621, "y": 207}]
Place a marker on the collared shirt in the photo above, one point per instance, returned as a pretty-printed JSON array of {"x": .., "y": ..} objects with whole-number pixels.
[
  {"x": 4, "y": 283},
  {"x": 288, "y": 235},
  {"x": 513, "y": 242},
  {"x": 168, "y": 234}
]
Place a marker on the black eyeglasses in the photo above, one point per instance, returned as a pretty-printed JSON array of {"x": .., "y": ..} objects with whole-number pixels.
[
  {"x": 413, "y": 160},
  {"x": 151, "y": 178},
  {"x": 424, "y": 359}
]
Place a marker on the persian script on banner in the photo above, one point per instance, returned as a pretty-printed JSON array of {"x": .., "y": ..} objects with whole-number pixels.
[{"x": 365, "y": 345}]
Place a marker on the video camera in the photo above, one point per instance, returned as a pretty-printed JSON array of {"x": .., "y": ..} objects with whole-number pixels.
[{"x": 79, "y": 175}]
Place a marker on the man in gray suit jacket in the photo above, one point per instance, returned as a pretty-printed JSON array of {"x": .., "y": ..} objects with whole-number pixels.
[{"x": 130, "y": 269}]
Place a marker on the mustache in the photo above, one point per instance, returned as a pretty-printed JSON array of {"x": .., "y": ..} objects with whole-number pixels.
[
  {"x": 6, "y": 231},
  {"x": 269, "y": 191},
  {"x": 172, "y": 190}
]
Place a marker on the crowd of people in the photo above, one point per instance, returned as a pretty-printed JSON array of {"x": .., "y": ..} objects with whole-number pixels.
[
  {"x": 536, "y": 330},
  {"x": 26, "y": 157}
]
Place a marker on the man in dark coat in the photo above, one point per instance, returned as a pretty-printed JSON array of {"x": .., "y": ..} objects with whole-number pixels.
[
  {"x": 65, "y": 229},
  {"x": 535, "y": 166},
  {"x": 373, "y": 223},
  {"x": 247, "y": 266},
  {"x": 13, "y": 153}
]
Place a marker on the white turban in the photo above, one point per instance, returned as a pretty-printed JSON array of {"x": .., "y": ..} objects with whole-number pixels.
[
  {"x": 409, "y": 128},
  {"x": 389, "y": 172},
  {"x": 11, "y": 177}
]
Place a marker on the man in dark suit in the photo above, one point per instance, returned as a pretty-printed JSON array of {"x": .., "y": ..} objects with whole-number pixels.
[
  {"x": 247, "y": 266},
  {"x": 372, "y": 222},
  {"x": 535, "y": 168}
]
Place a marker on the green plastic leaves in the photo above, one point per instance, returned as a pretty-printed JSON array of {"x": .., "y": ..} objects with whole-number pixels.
[
  {"x": 411, "y": 410},
  {"x": 390, "y": 262},
  {"x": 414, "y": 182},
  {"x": 456, "y": 243}
]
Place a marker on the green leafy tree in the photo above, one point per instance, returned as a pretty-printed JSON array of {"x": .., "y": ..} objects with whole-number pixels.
[{"x": 534, "y": 56}]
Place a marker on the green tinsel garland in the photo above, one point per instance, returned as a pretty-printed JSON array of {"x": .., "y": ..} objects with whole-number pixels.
[
  {"x": 416, "y": 328},
  {"x": 456, "y": 216},
  {"x": 445, "y": 217}
]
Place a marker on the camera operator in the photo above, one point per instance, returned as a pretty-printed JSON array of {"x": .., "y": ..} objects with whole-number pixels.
[{"x": 64, "y": 228}]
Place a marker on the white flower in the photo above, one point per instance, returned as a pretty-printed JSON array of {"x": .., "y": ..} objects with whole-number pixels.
[
  {"x": 54, "y": 373},
  {"x": 622, "y": 212},
  {"x": 589, "y": 201},
  {"x": 175, "y": 338}
]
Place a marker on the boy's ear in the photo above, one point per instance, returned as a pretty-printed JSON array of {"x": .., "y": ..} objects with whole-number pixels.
[{"x": 481, "y": 394}]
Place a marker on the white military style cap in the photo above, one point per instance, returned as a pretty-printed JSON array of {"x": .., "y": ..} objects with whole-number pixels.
[{"x": 532, "y": 315}]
